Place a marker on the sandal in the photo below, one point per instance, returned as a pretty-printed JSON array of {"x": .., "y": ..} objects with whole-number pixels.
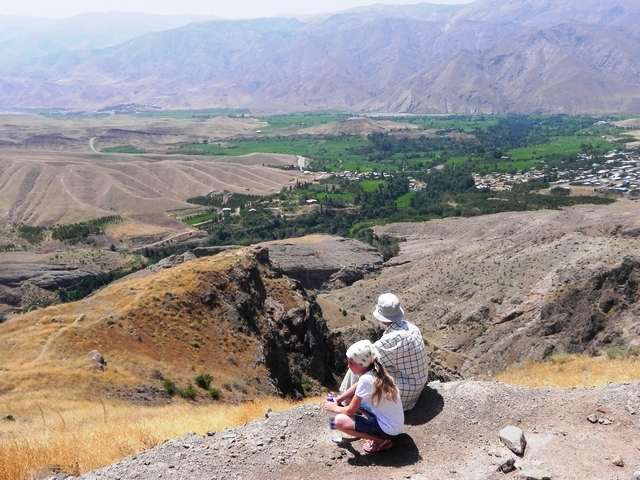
[{"x": 374, "y": 448}]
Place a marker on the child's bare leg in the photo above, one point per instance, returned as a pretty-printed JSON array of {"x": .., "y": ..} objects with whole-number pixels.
[{"x": 347, "y": 425}]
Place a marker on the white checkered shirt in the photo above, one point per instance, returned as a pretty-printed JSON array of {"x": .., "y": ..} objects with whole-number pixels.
[{"x": 403, "y": 354}]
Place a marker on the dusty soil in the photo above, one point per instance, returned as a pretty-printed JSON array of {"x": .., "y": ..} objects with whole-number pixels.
[
  {"x": 45, "y": 187},
  {"x": 34, "y": 132},
  {"x": 452, "y": 433},
  {"x": 485, "y": 287}
]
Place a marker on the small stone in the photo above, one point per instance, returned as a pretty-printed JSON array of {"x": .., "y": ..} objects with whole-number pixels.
[
  {"x": 606, "y": 421},
  {"x": 631, "y": 410},
  {"x": 8, "y": 418},
  {"x": 507, "y": 466},
  {"x": 592, "y": 418},
  {"x": 533, "y": 474},
  {"x": 617, "y": 461},
  {"x": 210, "y": 433},
  {"x": 513, "y": 438},
  {"x": 636, "y": 475}
]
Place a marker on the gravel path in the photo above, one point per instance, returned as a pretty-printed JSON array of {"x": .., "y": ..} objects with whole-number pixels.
[{"x": 451, "y": 434}]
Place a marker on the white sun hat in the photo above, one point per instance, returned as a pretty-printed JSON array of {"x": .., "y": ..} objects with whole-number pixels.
[{"x": 388, "y": 309}]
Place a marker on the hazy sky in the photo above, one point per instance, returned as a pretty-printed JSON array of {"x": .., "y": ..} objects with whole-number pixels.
[{"x": 219, "y": 8}]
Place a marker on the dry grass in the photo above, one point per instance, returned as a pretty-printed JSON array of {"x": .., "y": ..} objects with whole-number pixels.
[
  {"x": 67, "y": 414},
  {"x": 574, "y": 370},
  {"x": 76, "y": 437}
]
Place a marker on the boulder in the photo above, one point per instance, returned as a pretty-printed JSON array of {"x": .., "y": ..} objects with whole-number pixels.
[
  {"x": 324, "y": 261},
  {"x": 97, "y": 359},
  {"x": 513, "y": 438}
]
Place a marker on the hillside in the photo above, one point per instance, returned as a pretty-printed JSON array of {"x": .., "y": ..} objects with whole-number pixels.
[
  {"x": 229, "y": 315},
  {"x": 488, "y": 292},
  {"x": 491, "y": 56},
  {"x": 452, "y": 434},
  {"x": 505, "y": 289}
]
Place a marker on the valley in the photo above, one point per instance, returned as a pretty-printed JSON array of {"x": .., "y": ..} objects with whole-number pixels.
[{"x": 490, "y": 276}]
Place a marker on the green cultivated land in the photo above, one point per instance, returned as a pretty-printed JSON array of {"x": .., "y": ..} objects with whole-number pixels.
[{"x": 442, "y": 161}]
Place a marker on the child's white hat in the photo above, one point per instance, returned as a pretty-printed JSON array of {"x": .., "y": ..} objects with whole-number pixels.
[{"x": 363, "y": 353}]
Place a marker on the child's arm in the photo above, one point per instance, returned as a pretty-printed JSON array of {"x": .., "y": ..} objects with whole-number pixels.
[
  {"x": 350, "y": 410},
  {"x": 347, "y": 395}
]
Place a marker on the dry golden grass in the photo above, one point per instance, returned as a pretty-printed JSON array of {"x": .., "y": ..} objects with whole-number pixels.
[
  {"x": 140, "y": 326},
  {"x": 572, "y": 371},
  {"x": 76, "y": 437},
  {"x": 67, "y": 413}
]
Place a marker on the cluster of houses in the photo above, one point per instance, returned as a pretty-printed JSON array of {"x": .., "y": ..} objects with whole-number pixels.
[{"x": 619, "y": 171}]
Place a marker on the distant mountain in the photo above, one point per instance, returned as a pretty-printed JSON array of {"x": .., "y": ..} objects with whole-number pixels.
[
  {"x": 29, "y": 37},
  {"x": 492, "y": 56}
]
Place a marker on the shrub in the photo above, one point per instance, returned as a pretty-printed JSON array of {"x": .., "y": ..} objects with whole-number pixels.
[
  {"x": 215, "y": 393},
  {"x": 615, "y": 353},
  {"x": 560, "y": 359},
  {"x": 170, "y": 387},
  {"x": 227, "y": 386},
  {"x": 157, "y": 374},
  {"x": 188, "y": 393},
  {"x": 239, "y": 387},
  {"x": 204, "y": 381}
]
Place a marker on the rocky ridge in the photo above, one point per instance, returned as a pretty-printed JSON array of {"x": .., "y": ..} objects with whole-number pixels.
[
  {"x": 452, "y": 433},
  {"x": 498, "y": 290}
]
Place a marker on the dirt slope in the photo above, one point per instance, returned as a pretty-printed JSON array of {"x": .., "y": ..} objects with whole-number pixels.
[
  {"x": 502, "y": 289},
  {"x": 451, "y": 434},
  {"x": 44, "y": 187}
]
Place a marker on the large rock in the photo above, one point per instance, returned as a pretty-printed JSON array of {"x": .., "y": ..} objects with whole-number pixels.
[
  {"x": 49, "y": 277},
  {"x": 324, "y": 261},
  {"x": 513, "y": 438}
]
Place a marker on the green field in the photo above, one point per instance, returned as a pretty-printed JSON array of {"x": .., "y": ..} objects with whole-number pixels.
[
  {"x": 405, "y": 200},
  {"x": 562, "y": 146},
  {"x": 370, "y": 185},
  {"x": 200, "y": 219},
  {"x": 332, "y": 151},
  {"x": 123, "y": 149},
  {"x": 334, "y": 196},
  {"x": 203, "y": 113},
  {"x": 300, "y": 120}
]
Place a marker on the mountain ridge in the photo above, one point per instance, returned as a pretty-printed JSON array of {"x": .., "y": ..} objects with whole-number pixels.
[{"x": 492, "y": 56}]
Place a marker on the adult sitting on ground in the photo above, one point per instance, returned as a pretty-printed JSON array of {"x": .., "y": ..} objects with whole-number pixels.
[{"x": 402, "y": 352}]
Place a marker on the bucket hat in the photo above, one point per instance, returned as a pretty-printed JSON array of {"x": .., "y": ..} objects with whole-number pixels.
[{"x": 388, "y": 309}]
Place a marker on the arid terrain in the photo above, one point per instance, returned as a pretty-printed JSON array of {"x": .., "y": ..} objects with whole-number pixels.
[
  {"x": 504, "y": 289},
  {"x": 451, "y": 434},
  {"x": 54, "y": 171},
  {"x": 488, "y": 292}
]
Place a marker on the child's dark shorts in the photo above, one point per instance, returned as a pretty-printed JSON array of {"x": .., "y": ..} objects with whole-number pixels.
[{"x": 369, "y": 424}]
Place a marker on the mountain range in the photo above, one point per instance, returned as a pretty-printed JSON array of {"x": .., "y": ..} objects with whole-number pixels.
[{"x": 491, "y": 56}]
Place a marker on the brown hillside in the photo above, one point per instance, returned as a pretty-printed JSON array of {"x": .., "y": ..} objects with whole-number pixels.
[
  {"x": 230, "y": 315},
  {"x": 44, "y": 187},
  {"x": 359, "y": 126},
  {"x": 501, "y": 290}
]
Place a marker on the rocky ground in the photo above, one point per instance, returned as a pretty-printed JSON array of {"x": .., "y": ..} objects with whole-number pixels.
[
  {"x": 452, "y": 433},
  {"x": 502, "y": 289}
]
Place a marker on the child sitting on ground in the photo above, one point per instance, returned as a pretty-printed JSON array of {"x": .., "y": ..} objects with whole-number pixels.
[{"x": 373, "y": 407}]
